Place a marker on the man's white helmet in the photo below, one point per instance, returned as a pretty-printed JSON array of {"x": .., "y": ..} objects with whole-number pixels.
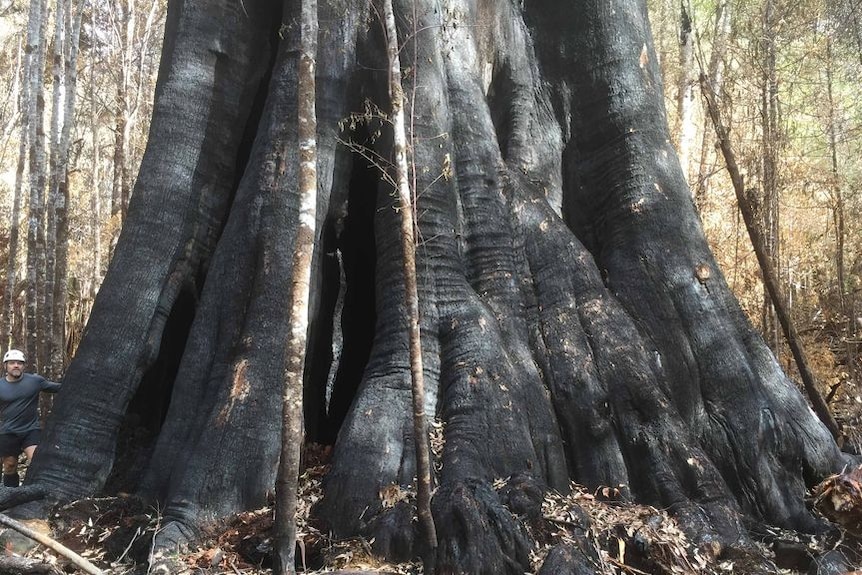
[{"x": 14, "y": 355}]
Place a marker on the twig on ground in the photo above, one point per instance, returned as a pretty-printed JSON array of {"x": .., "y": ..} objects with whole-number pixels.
[
  {"x": 129, "y": 546},
  {"x": 50, "y": 544}
]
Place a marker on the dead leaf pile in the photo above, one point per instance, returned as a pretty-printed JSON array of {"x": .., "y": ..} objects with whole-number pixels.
[{"x": 631, "y": 538}]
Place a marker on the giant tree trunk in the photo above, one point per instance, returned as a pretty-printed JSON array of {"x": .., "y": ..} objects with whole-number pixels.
[{"x": 574, "y": 324}]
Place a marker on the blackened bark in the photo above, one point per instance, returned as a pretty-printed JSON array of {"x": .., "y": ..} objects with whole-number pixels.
[
  {"x": 574, "y": 324},
  {"x": 213, "y": 63}
]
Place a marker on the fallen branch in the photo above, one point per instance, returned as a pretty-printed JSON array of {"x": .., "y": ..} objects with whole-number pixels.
[{"x": 76, "y": 559}]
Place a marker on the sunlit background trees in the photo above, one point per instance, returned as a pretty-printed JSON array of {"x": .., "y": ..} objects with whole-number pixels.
[
  {"x": 785, "y": 73},
  {"x": 76, "y": 86}
]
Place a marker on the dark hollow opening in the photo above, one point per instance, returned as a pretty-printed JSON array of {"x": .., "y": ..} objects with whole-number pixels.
[
  {"x": 356, "y": 245},
  {"x": 149, "y": 406},
  {"x": 499, "y": 99},
  {"x": 322, "y": 334}
]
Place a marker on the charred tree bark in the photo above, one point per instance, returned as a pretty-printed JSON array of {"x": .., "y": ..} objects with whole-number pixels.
[{"x": 574, "y": 324}]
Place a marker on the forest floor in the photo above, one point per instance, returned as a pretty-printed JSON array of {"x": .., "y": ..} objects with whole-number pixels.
[{"x": 115, "y": 533}]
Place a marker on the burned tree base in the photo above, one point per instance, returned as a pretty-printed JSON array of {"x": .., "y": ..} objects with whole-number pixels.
[
  {"x": 478, "y": 534},
  {"x": 574, "y": 324}
]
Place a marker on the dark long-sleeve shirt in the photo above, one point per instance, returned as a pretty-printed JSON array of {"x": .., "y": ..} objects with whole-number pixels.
[{"x": 19, "y": 402}]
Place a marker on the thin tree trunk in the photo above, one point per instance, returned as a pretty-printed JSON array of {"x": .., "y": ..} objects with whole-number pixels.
[
  {"x": 119, "y": 183},
  {"x": 408, "y": 243},
  {"x": 686, "y": 128},
  {"x": 769, "y": 152},
  {"x": 56, "y": 167},
  {"x": 770, "y": 279},
  {"x": 95, "y": 189},
  {"x": 119, "y": 191},
  {"x": 303, "y": 252},
  {"x": 837, "y": 193},
  {"x": 715, "y": 77},
  {"x": 14, "y": 231},
  {"x": 61, "y": 280},
  {"x": 35, "y": 231}
]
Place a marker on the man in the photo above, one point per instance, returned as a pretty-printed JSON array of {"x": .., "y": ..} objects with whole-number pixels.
[{"x": 19, "y": 413}]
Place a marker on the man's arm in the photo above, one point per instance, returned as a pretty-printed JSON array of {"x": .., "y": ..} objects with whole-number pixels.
[{"x": 51, "y": 386}]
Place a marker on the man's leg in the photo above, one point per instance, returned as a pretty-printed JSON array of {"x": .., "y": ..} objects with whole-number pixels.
[
  {"x": 10, "y": 447},
  {"x": 10, "y": 471},
  {"x": 30, "y": 440}
]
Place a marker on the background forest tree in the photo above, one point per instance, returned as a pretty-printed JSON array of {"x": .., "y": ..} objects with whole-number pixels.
[{"x": 100, "y": 62}]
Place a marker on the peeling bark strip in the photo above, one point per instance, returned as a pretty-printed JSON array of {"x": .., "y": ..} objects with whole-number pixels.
[{"x": 573, "y": 323}]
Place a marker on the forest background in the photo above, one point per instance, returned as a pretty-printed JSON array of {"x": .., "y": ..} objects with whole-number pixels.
[{"x": 77, "y": 79}]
